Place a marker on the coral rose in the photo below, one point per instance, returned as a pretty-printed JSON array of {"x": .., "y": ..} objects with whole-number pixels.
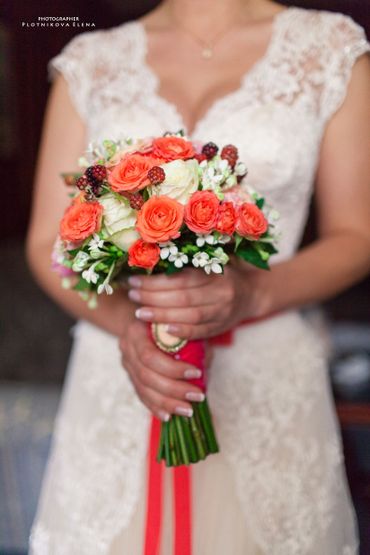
[
  {"x": 131, "y": 173},
  {"x": 81, "y": 220},
  {"x": 172, "y": 148},
  {"x": 201, "y": 211},
  {"x": 226, "y": 218},
  {"x": 160, "y": 219},
  {"x": 143, "y": 254},
  {"x": 251, "y": 221}
]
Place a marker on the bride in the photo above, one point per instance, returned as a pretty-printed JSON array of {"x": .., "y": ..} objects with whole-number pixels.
[{"x": 290, "y": 88}]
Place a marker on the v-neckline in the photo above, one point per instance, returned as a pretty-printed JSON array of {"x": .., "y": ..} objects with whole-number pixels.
[{"x": 245, "y": 77}]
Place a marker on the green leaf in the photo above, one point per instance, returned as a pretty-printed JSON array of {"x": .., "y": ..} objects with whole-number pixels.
[
  {"x": 249, "y": 254},
  {"x": 268, "y": 247},
  {"x": 82, "y": 285},
  {"x": 238, "y": 241},
  {"x": 260, "y": 202}
]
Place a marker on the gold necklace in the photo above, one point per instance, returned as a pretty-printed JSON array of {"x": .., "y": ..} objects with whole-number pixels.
[{"x": 207, "y": 46}]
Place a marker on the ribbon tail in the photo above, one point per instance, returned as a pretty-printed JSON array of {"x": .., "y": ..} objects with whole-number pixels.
[
  {"x": 155, "y": 493},
  {"x": 183, "y": 510}
]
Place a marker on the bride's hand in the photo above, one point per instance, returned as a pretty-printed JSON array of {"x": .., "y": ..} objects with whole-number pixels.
[
  {"x": 194, "y": 304},
  {"x": 159, "y": 380}
]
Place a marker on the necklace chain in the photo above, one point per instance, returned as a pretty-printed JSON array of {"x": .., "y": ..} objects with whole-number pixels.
[{"x": 207, "y": 46}]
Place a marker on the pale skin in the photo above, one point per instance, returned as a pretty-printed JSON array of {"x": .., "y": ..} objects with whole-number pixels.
[{"x": 195, "y": 305}]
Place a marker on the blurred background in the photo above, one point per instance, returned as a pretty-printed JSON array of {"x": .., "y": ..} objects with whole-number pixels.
[{"x": 35, "y": 336}]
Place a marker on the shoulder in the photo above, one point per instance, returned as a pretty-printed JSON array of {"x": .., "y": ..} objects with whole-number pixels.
[
  {"x": 101, "y": 46},
  {"x": 329, "y": 31}
]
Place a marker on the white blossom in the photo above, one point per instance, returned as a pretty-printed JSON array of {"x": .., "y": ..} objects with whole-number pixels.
[
  {"x": 96, "y": 243},
  {"x": 179, "y": 259},
  {"x": 240, "y": 169},
  {"x": 167, "y": 249},
  {"x": 90, "y": 275},
  {"x": 80, "y": 261},
  {"x": 200, "y": 259},
  {"x": 203, "y": 239},
  {"x": 223, "y": 239},
  {"x": 105, "y": 286},
  {"x": 213, "y": 266}
]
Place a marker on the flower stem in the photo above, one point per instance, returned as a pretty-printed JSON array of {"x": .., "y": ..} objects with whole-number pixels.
[
  {"x": 201, "y": 452},
  {"x": 184, "y": 451},
  {"x": 189, "y": 440},
  {"x": 167, "y": 443},
  {"x": 172, "y": 441},
  {"x": 206, "y": 420}
]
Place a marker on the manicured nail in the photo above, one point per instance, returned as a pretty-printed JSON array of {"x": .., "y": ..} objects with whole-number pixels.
[
  {"x": 135, "y": 281},
  {"x": 197, "y": 397},
  {"x": 144, "y": 314},
  {"x": 192, "y": 373},
  {"x": 134, "y": 295},
  {"x": 173, "y": 329},
  {"x": 182, "y": 411},
  {"x": 164, "y": 416}
]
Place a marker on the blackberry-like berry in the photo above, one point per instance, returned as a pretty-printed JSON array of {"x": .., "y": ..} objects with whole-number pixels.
[
  {"x": 89, "y": 172},
  {"x": 209, "y": 150},
  {"x": 136, "y": 201},
  {"x": 156, "y": 175},
  {"x": 96, "y": 188},
  {"x": 98, "y": 172},
  {"x": 82, "y": 182},
  {"x": 230, "y": 153}
]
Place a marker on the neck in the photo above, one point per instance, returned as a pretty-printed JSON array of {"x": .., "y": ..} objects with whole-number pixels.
[{"x": 210, "y": 15}]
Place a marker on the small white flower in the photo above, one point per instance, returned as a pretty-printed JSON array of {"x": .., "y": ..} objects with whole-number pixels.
[
  {"x": 105, "y": 287},
  {"x": 241, "y": 169},
  {"x": 221, "y": 256},
  {"x": 179, "y": 259},
  {"x": 80, "y": 261},
  {"x": 213, "y": 266},
  {"x": 168, "y": 249},
  {"x": 96, "y": 243},
  {"x": 223, "y": 239},
  {"x": 200, "y": 259},
  {"x": 90, "y": 275},
  {"x": 203, "y": 239}
]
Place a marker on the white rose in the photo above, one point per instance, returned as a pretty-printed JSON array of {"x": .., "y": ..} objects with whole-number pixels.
[
  {"x": 119, "y": 220},
  {"x": 181, "y": 180}
]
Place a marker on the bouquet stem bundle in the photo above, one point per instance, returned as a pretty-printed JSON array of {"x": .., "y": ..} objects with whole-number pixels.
[{"x": 188, "y": 440}]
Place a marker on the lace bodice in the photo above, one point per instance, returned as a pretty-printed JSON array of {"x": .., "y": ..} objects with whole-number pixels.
[
  {"x": 269, "y": 391},
  {"x": 276, "y": 117}
]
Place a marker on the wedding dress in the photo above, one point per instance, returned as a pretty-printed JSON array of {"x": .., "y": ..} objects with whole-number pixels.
[{"x": 278, "y": 486}]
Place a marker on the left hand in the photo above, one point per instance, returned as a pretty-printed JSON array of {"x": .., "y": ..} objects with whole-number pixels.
[{"x": 193, "y": 304}]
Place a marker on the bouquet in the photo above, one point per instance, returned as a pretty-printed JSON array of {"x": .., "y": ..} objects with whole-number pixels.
[{"x": 157, "y": 205}]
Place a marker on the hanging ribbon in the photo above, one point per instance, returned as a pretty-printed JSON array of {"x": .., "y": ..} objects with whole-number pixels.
[{"x": 181, "y": 497}]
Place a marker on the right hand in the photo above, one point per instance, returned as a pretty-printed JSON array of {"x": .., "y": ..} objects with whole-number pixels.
[{"x": 159, "y": 380}]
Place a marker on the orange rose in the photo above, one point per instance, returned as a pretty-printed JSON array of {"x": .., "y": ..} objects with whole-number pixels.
[
  {"x": 251, "y": 221},
  {"x": 81, "y": 220},
  {"x": 226, "y": 218},
  {"x": 143, "y": 255},
  {"x": 131, "y": 173},
  {"x": 172, "y": 148},
  {"x": 160, "y": 219},
  {"x": 201, "y": 211}
]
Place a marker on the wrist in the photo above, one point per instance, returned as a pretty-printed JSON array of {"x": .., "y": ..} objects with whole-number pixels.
[{"x": 258, "y": 292}]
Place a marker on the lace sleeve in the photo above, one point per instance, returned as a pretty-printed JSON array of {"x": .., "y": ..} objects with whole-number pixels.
[
  {"x": 346, "y": 42},
  {"x": 73, "y": 63}
]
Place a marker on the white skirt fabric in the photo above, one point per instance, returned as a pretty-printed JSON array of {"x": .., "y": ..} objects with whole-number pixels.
[{"x": 276, "y": 488}]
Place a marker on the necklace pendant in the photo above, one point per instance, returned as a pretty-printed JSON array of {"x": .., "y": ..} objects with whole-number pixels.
[{"x": 207, "y": 52}]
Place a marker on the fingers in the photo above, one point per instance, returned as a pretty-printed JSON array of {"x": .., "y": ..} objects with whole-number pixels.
[
  {"x": 194, "y": 315},
  {"x": 192, "y": 296},
  {"x": 188, "y": 331},
  {"x": 186, "y": 279}
]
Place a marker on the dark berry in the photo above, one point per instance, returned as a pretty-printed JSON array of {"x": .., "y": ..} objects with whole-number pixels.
[
  {"x": 156, "y": 175},
  {"x": 99, "y": 172},
  {"x": 230, "y": 153},
  {"x": 96, "y": 188},
  {"x": 82, "y": 182},
  {"x": 200, "y": 157},
  {"x": 136, "y": 201},
  {"x": 209, "y": 150}
]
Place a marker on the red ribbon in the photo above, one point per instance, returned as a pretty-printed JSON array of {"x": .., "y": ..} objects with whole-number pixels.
[
  {"x": 193, "y": 353},
  {"x": 182, "y": 500}
]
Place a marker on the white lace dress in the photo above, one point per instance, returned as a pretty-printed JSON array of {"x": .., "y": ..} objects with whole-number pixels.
[{"x": 278, "y": 486}]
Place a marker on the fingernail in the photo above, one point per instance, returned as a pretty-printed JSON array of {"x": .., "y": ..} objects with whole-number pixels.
[
  {"x": 135, "y": 281},
  {"x": 192, "y": 373},
  {"x": 182, "y": 411},
  {"x": 144, "y": 314},
  {"x": 164, "y": 416},
  {"x": 172, "y": 328},
  {"x": 197, "y": 397},
  {"x": 134, "y": 295}
]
